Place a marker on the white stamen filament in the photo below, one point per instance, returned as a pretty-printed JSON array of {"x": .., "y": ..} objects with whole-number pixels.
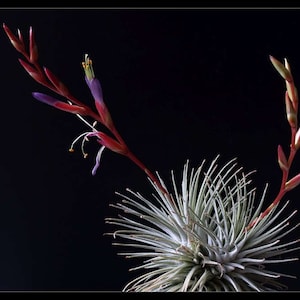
[
  {"x": 84, "y": 139},
  {"x": 83, "y": 135},
  {"x": 85, "y": 121}
]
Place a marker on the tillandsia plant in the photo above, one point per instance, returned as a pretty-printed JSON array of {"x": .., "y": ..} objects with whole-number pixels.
[{"x": 207, "y": 232}]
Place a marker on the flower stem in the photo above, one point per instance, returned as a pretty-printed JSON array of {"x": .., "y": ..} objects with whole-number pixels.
[{"x": 285, "y": 171}]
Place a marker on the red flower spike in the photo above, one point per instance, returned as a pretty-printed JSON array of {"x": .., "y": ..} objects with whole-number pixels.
[
  {"x": 46, "y": 78},
  {"x": 32, "y": 47},
  {"x": 282, "y": 161},
  {"x": 57, "y": 83},
  {"x": 292, "y": 183},
  {"x": 18, "y": 44}
]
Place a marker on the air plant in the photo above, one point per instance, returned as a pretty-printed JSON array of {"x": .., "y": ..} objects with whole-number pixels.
[{"x": 207, "y": 233}]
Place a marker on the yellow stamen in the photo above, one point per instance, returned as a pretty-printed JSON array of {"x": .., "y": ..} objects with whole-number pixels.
[{"x": 88, "y": 68}]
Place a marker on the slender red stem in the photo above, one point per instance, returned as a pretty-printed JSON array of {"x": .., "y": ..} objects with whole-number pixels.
[{"x": 284, "y": 179}]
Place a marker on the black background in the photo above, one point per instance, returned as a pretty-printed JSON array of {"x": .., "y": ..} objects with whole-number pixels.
[{"x": 180, "y": 84}]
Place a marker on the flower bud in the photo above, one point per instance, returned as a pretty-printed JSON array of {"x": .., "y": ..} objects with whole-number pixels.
[
  {"x": 282, "y": 161},
  {"x": 18, "y": 44},
  {"x": 281, "y": 69},
  {"x": 290, "y": 111},
  {"x": 293, "y": 94}
]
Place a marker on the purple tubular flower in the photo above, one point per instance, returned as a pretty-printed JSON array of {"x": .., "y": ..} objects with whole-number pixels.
[
  {"x": 92, "y": 82},
  {"x": 75, "y": 109},
  {"x": 95, "y": 88},
  {"x": 45, "y": 98}
]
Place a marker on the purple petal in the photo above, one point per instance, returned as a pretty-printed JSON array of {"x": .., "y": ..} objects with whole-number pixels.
[
  {"x": 98, "y": 157},
  {"x": 75, "y": 109},
  {"x": 96, "y": 89},
  {"x": 45, "y": 98}
]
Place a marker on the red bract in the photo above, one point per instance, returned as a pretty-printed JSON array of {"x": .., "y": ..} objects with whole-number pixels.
[
  {"x": 16, "y": 42},
  {"x": 292, "y": 183},
  {"x": 32, "y": 47},
  {"x": 102, "y": 115},
  {"x": 59, "y": 86},
  {"x": 110, "y": 143},
  {"x": 105, "y": 115},
  {"x": 33, "y": 72},
  {"x": 291, "y": 113},
  {"x": 282, "y": 161}
]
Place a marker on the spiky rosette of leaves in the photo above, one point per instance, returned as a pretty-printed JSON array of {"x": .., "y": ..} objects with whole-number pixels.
[{"x": 196, "y": 238}]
